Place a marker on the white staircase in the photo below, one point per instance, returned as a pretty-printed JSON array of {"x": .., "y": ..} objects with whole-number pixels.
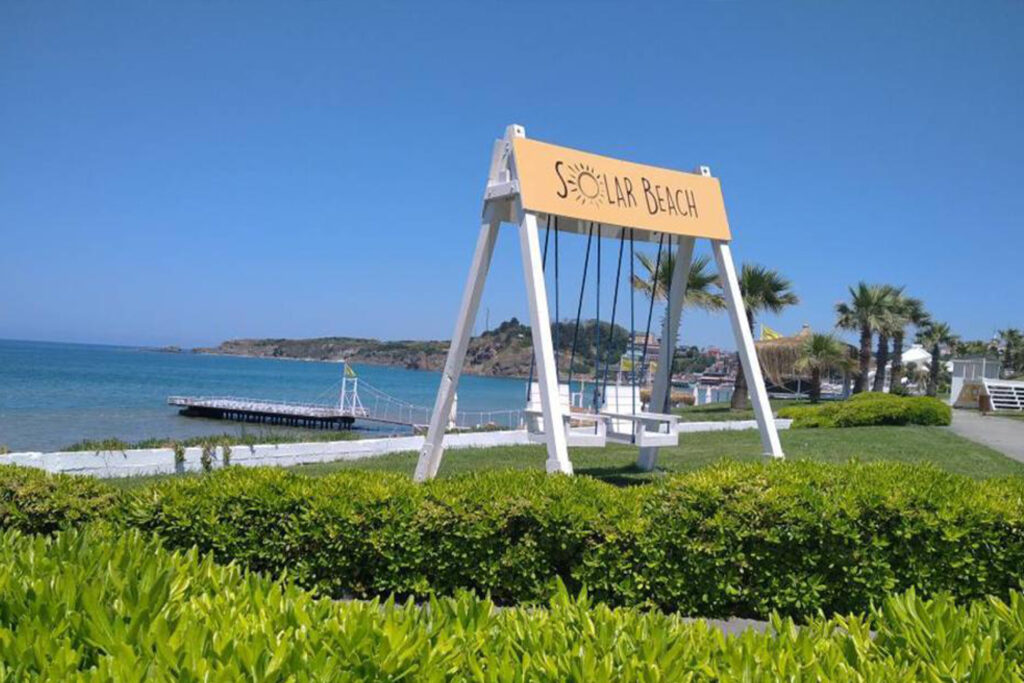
[{"x": 1005, "y": 394}]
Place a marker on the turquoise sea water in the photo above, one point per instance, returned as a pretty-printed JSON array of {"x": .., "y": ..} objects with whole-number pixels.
[{"x": 53, "y": 394}]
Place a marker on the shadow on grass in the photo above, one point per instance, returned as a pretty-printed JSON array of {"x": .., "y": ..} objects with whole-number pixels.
[{"x": 620, "y": 475}]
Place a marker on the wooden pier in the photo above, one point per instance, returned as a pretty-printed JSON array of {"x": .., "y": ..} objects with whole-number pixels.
[
  {"x": 313, "y": 416},
  {"x": 341, "y": 413}
]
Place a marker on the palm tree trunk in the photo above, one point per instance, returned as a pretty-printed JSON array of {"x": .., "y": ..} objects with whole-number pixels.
[
  {"x": 815, "y": 385},
  {"x": 881, "y": 359},
  {"x": 739, "y": 392},
  {"x": 896, "y": 372},
  {"x": 865, "y": 360},
  {"x": 933, "y": 372}
]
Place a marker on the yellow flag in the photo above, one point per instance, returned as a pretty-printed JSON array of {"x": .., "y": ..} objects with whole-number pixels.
[
  {"x": 349, "y": 372},
  {"x": 769, "y": 333}
]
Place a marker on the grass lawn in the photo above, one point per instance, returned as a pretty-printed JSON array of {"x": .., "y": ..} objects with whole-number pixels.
[
  {"x": 1012, "y": 416},
  {"x": 614, "y": 464},
  {"x": 721, "y": 412}
]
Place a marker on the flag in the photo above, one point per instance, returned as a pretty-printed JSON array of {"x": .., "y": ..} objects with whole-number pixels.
[
  {"x": 349, "y": 372},
  {"x": 769, "y": 333}
]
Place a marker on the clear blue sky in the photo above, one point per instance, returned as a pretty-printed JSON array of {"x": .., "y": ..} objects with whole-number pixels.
[{"x": 182, "y": 173}]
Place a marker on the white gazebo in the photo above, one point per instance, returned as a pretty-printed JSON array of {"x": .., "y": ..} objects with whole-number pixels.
[{"x": 918, "y": 355}]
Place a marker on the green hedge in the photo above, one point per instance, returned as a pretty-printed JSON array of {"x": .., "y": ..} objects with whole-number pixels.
[
  {"x": 729, "y": 540},
  {"x": 87, "y": 606},
  {"x": 36, "y": 502},
  {"x": 871, "y": 409},
  {"x": 734, "y": 539}
]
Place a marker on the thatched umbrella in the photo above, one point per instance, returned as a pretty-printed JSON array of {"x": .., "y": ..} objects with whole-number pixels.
[{"x": 778, "y": 356}]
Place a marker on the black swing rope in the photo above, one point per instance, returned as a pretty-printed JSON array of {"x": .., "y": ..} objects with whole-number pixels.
[
  {"x": 615, "y": 303},
  {"x": 632, "y": 324},
  {"x": 650, "y": 309},
  {"x": 597, "y": 327},
  {"x": 558, "y": 334},
  {"x": 579, "y": 306},
  {"x": 668, "y": 318},
  {"x": 543, "y": 268},
  {"x": 601, "y": 386}
]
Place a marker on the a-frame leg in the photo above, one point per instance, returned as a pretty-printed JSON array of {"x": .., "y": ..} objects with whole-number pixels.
[
  {"x": 543, "y": 349},
  {"x": 648, "y": 457},
  {"x": 433, "y": 447},
  {"x": 748, "y": 353}
]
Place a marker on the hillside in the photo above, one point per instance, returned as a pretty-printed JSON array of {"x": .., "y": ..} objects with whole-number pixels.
[{"x": 501, "y": 352}]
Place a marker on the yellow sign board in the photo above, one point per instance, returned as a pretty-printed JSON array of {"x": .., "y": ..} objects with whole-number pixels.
[{"x": 567, "y": 182}]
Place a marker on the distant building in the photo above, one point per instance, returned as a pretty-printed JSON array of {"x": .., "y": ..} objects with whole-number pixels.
[
  {"x": 968, "y": 372},
  {"x": 640, "y": 361},
  {"x": 650, "y": 342}
]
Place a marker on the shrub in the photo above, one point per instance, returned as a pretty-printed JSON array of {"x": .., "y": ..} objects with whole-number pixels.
[
  {"x": 729, "y": 540},
  {"x": 681, "y": 399},
  {"x": 36, "y": 502},
  {"x": 675, "y": 399},
  {"x": 86, "y": 606},
  {"x": 871, "y": 409},
  {"x": 206, "y": 455},
  {"x": 733, "y": 539}
]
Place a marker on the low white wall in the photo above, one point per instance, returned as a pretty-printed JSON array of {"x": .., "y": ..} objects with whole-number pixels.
[
  {"x": 727, "y": 425},
  {"x": 161, "y": 460}
]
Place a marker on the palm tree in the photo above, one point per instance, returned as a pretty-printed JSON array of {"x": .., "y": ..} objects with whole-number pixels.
[
  {"x": 934, "y": 336},
  {"x": 890, "y": 321},
  {"x": 865, "y": 312},
  {"x": 917, "y": 374},
  {"x": 976, "y": 347},
  {"x": 657, "y": 280},
  {"x": 762, "y": 289},
  {"x": 1013, "y": 340},
  {"x": 699, "y": 292},
  {"x": 907, "y": 311},
  {"x": 821, "y": 353}
]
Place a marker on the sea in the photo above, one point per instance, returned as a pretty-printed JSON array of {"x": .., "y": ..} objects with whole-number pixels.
[{"x": 56, "y": 394}]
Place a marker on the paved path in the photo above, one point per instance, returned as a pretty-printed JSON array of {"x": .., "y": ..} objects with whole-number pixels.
[{"x": 1005, "y": 435}]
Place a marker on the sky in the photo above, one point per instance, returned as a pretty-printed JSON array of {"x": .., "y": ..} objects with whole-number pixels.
[{"x": 184, "y": 173}]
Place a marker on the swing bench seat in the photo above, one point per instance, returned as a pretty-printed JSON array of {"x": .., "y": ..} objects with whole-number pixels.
[
  {"x": 581, "y": 429},
  {"x": 628, "y": 425},
  {"x": 643, "y": 429}
]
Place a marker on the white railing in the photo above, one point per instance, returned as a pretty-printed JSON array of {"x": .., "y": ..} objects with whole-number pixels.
[
  {"x": 1005, "y": 394},
  {"x": 372, "y": 404}
]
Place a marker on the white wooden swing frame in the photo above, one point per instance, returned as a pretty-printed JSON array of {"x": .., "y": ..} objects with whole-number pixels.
[{"x": 650, "y": 430}]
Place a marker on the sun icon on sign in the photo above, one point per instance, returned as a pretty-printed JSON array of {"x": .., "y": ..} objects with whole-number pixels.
[{"x": 584, "y": 185}]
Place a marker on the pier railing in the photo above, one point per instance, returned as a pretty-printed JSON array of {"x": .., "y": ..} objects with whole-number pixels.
[
  {"x": 257, "y": 404},
  {"x": 375, "y": 405}
]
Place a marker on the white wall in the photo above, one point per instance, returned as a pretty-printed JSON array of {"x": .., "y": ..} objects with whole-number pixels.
[{"x": 161, "y": 460}]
